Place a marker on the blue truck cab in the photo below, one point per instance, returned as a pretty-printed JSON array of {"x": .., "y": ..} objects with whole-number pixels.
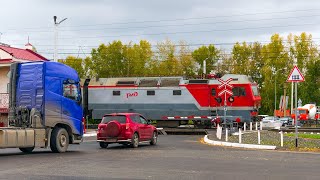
[{"x": 44, "y": 105}]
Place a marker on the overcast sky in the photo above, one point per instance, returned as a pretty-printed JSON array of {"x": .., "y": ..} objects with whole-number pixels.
[{"x": 92, "y": 22}]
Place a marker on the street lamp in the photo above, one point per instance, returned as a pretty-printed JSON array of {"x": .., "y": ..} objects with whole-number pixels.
[{"x": 56, "y": 36}]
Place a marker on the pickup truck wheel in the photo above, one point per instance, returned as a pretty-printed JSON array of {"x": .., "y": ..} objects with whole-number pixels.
[
  {"x": 154, "y": 138},
  {"x": 27, "y": 150},
  {"x": 103, "y": 145},
  {"x": 135, "y": 140},
  {"x": 59, "y": 141}
]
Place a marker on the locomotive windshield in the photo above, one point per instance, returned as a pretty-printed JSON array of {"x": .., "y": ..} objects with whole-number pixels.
[{"x": 255, "y": 90}]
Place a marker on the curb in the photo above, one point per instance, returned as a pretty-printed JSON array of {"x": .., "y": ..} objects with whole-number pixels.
[{"x": 229, "y": 144}]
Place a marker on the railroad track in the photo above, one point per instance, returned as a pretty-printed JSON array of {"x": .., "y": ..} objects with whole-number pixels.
[
  {"x": 301, "y": 129},
  {"x": 183, "y": 131}
]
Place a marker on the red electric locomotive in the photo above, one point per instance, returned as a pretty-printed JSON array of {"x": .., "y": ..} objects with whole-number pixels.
[{"x": 174, "y": 101}]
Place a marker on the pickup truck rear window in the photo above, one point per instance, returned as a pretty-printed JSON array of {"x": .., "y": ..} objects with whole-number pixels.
[{"x": 119, "y": 118}]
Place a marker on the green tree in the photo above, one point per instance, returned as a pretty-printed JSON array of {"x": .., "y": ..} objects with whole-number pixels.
[
  {"x": 241, "y": 56},
  {"x": 137, "y": 58},
  {"x": 169, "y": 64},
  {"x": 188, "y": 64},
  {"x": 306, "y": 54},
  {"x": 209, "y": 53},
  {"x": 75, "y": 63},
  {"x": 108, "y": 61},
  {"x": 247, "y": 59},
  {"x": 275, "y": 70}
]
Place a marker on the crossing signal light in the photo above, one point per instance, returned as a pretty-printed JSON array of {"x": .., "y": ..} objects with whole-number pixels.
[
  {"x": 231, "y": 99},
  {"x": 218, "y": 99}
]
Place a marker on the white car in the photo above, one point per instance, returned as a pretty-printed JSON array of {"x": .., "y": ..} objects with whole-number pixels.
[{"x": 271, "y": 122}]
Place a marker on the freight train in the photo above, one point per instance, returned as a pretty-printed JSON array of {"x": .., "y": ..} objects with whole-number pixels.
[{"x": 174, "y": 101}]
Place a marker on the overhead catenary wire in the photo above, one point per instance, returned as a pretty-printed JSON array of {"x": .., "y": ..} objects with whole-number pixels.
[
  {"x": 182, "y": 32},
  {"x": 181, "y": 19},
  {"x": 66, "y": 28},
  {"x": 85, "y": 48}
]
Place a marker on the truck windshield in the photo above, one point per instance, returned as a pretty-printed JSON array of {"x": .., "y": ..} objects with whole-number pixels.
[
  {"x": 302, "y": 111},
  {"x": 119, "y": 118},
  {"x": 71, "y": 91}
]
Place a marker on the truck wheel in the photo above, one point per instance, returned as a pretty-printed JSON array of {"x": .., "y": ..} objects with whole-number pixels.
[
  {"x": 27, "y": 150},
  {"x": 59, "y": 141},
  {"x": 103, "y": 145},
  {"x": 154, "y": 138},
  {"x": 135, "y": 140}
]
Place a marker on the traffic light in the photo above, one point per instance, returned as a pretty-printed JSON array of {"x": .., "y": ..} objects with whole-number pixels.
[{"x": 231, "y": 99}]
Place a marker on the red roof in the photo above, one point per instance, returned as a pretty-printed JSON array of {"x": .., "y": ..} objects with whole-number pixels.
[
  {"x": 24, "y": 54},
  {"x": 5, "y": 61}
]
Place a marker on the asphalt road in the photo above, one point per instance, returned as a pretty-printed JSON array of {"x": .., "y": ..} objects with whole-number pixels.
[{"x": 175, "y": 157}]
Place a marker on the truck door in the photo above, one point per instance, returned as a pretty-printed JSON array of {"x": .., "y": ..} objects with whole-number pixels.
[{"x": 71, "y": 110}]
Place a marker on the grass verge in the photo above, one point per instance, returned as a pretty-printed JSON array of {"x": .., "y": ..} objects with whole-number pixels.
[{"x": 308, "y": 136}]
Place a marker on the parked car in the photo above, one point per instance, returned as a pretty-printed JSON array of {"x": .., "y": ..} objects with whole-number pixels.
[
  {"x": 260, "y": 117},
  {"x": 126, "y": 129},
  {"x": 271, "y": 122},
  {"x": 286, "y": 121},
  {"x": 269, "y": 118}
]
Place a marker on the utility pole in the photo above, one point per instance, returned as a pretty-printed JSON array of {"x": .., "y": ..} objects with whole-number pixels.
[{"x": 56, "y": 24}]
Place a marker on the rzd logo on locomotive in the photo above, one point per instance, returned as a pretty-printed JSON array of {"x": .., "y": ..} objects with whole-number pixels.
[{"x": 134, "y": 94}]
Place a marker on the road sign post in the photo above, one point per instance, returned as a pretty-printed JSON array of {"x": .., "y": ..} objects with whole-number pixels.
[
  {"x": 296, "y": 77},
  {"x": 225, "y": 91}
]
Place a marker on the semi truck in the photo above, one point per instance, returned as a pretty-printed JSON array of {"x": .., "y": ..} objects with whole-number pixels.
[{"x": 44, "y": 107}]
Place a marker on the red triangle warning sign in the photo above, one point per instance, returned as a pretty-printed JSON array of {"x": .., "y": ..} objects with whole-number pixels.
[{"x": 295, "y": 75}]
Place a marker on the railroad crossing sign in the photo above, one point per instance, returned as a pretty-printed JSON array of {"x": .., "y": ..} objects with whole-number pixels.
[
  {"x": 225, "y": 84},
  {"x": 225, "y": 91},
  {"x": 295, "y": 75}
]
